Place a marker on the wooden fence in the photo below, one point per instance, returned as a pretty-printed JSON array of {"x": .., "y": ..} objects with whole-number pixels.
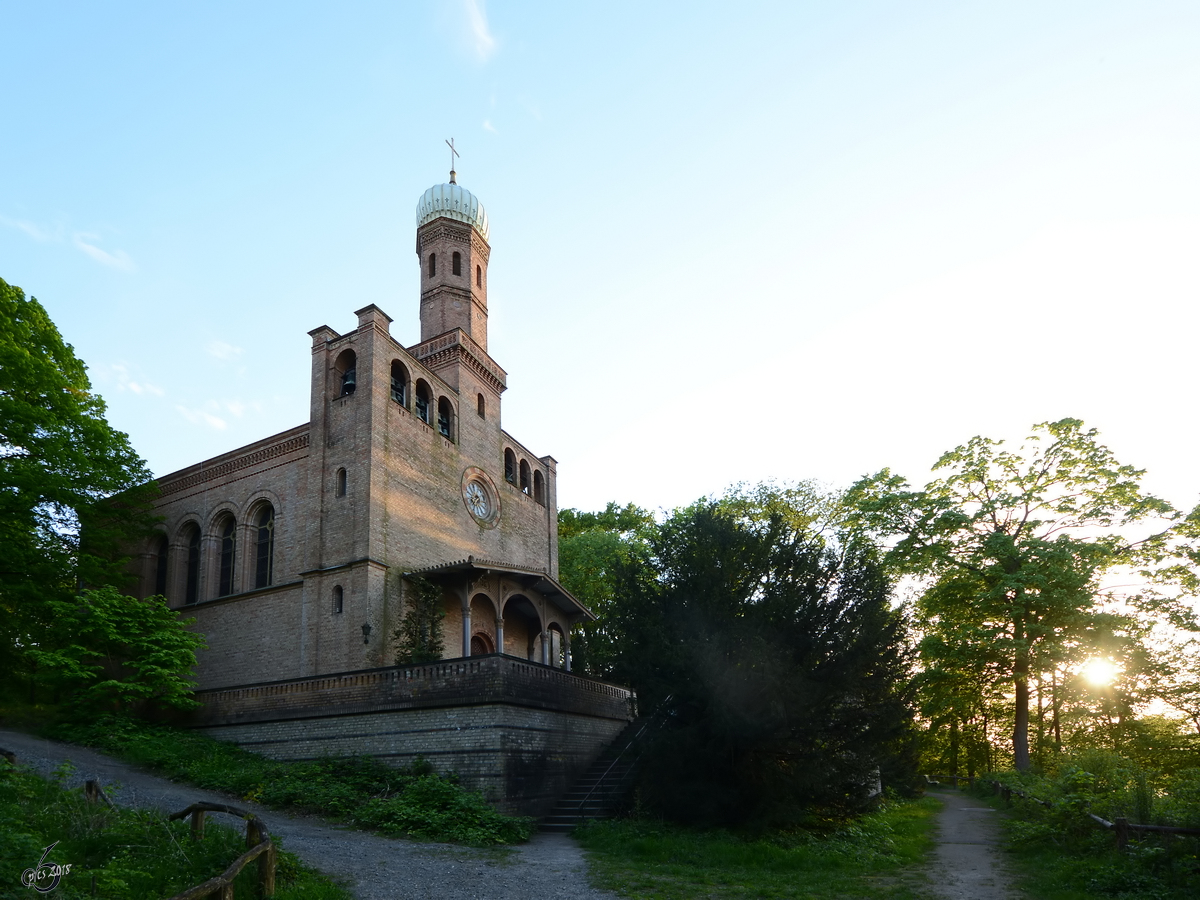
[
  {"x": 258, "y": 840},
  {"x": 1120, "y": 827}
]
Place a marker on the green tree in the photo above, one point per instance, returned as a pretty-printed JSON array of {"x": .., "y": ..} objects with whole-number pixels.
[
  {"x": 112, "y": 652},
  {"x": 778, "y": 656},
  {"x": 62, "y": 467},
  {"x": 591, "y": 547},
  {"x": 419, "y": 639},
  {"x": 1013, "y": 546}
]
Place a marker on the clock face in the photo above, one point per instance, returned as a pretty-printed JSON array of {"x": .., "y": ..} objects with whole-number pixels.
[
  {"x": 477, "y": 500},
  {"x": 479, "y": 497}
]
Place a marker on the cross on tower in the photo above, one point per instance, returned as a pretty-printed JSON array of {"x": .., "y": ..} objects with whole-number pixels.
[{"x": 453, "y": 153}]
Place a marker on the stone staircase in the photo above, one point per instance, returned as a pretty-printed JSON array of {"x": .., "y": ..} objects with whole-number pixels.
[{"x": 599, "y": 791}]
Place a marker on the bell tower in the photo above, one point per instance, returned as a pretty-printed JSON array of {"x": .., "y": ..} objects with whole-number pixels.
[{"x": 453, "y": 250}]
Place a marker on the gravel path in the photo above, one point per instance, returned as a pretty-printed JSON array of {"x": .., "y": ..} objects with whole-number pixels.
[
  {"x": 967, "y": 864},
  {"x": 374, "y": 867}
]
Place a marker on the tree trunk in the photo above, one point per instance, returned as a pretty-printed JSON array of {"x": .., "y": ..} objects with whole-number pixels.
[
  {"x": 1021, "y": 720},
  {"x": 1054, "y": 705},
  {"x": 954, "y": 744}
]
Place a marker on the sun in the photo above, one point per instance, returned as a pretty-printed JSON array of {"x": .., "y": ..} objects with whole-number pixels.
[{"x": 1099, "y": 672}]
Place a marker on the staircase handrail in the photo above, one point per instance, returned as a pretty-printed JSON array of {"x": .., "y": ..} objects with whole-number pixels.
[{"x": 650, "y": 720}]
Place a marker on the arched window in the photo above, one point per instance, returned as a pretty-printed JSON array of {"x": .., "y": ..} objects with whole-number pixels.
[
  {"x": 399, "y": 383},
  {"x": 510, "y": 467},
  {"x": 264, "y": 541},
  {"x": 160, "y": 565},
  {"x": 340, "y": 484},
  {"x": 539, "y": 488},
  {"x": 432, "y": 264},
  {"x": 481, "y": 644},
  {"x": 337, "y": 599},
  {"x": 228, "y": 532},
  {"x": 422, "y": 400},
  {"x": 345, "y": 368},
  {"x": 525, "y": 476},
  {"x": 456, "y": 263},
  {"x": 479, "y": 405},
  {"x": 191, "y": 582},
  {"x": 479, "y": 276},
  {"x": 445, "y": 418}
]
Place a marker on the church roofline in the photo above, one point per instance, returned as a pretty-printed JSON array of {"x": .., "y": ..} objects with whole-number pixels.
[{"x": 543, "y": 582}]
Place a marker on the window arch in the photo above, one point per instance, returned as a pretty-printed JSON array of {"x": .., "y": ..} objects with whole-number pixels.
[
  {"x": 422, "y": 400},
  {"x": 481, "y": 644},
  {"x": 264, "y": 546},
  {"x": 161, "y": 546},
  {"x": 227, "y": 530},
  {"x": 456, "y": 263},
  {"x": 510, "y": 466},
  {"x": 345, "y": 366},
  {"x": 337, "y": 599},
  {"x": 340, "y": 485},
  {"x": 191, "y": 580},
  {"x": 432, "y": 264},
  {"x": 539, "y": 487},
  {"x": 445, "y": 420},
  {"x": 399, "y": 383},
  {"x": 478, "y": 276},
  {"x": 480, "y": 407},
  {"x": 525, "y": 477}
]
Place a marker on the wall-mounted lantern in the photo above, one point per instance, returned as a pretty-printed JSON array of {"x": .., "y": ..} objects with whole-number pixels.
[{"x": 366, "y": 632}]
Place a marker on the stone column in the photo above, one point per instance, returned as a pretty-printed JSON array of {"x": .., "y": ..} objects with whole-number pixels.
[
  {"x": 466, "y": 617},
  {"x": 499, "y": 633},
  {"x": 545, "y": 648},
  {"x": 567, "y": 651}
]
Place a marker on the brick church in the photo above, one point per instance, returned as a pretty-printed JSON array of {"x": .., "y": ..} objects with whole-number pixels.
[{"x": 294, "y": 555}]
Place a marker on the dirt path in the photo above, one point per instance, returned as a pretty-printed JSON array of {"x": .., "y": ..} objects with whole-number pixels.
[
  {"x": 374, "y": 867},
  {"x": 967, "y": 864}
]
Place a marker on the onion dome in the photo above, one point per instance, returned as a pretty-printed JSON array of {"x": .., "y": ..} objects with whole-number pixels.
[{"x": 454, "y": 202}]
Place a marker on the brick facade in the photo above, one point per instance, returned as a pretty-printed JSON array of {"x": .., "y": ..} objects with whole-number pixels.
[{"x": 292, "y": 553}]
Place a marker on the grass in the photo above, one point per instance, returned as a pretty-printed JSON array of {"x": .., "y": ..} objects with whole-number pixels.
[
  {"x": 877, "y": 856},
  {"x": 1060, "y": 854},
  {"x": 124, "y": 854},
  {"x": 413, "y": 802}
]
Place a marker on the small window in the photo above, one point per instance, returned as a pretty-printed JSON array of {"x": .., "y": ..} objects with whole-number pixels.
[
  {"x": 479, "y": 405},
  {"x": 264, "y": 541},
  {"x": 510, "y": 467},
  {"x": 456, "y": 263},
  {"x": 191, "y": 588},
  {"x": 399, "y": 384},
  {"x": 228, "y": 531},
  {"x": 539, "y": 488},
  {"x": 337, "y": 599},
  {"x": 478, "y": 276},
  {"x": 481, "y": 644},
  {"x": 340, "y": 489},
  {"x": 525, "y": 480},
  {"x": 422, "y": 400},
  {"x": 445, "y": 418},
  {"x": 432, "y": 265},
  {"x": 160, "y": 566}
]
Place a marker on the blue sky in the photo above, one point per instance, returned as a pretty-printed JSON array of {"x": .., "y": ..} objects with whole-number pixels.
[{"x": 729, "y": 241}]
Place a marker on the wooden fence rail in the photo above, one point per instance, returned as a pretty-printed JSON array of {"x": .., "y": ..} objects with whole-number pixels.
[
  {"x": 1120, "y": 827},
  {"x": 258, "y": 840}
]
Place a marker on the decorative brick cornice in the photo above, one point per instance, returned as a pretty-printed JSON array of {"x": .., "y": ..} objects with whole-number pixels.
[
  {"x": 188, "y": 479},
  {"x": 458, "y": 347}
]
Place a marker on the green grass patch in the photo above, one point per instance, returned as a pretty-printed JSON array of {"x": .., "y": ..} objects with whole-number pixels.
[
  {"x": 411, "y": 802},
  {"x": 124, "y": 854},
  {"x": 1058, "y": 853},
  {"x": 876, "y": 856}
]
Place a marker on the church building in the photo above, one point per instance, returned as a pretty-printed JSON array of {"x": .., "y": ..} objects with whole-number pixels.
[{"x": 295, "y": 556}]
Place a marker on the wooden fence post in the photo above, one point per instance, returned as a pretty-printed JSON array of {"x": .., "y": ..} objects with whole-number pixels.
[
  {"x": 1121, "y": 828},
  {"x": 266, "y": 872},
  {"x": 198, "y": 825},
  {"x": 91, "y": 790}
]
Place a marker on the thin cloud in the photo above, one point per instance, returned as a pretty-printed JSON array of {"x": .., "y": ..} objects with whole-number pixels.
[
  {"x": 482, "y": 39},
  {"x": 202, "y": 417},
  {"x": 34, "y": 231},
  {"x": 126, "y": 382},
  {"x": 119, "y": 260},
  {"x": 222, "y": 350},
  {"x": 488, "y": 126}
]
